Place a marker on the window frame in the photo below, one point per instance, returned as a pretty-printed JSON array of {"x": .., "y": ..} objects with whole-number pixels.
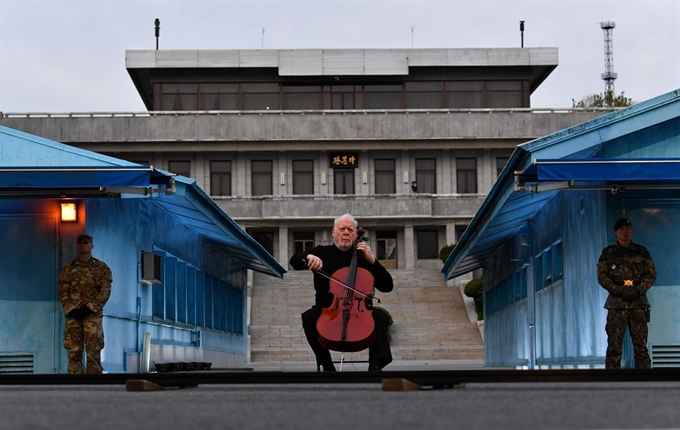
[
  {"x": 423, "y": 173},
  {"x": 466, "y": 176},
  {"x": 261, "y": 178},
  {"x": 303, "y": 178},
  {"x": 385, "y": 176},
  {"x": 220, "y": 179}
]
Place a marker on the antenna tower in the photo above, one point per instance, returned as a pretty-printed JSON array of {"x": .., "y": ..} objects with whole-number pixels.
[{"x": 608, "y": 76}]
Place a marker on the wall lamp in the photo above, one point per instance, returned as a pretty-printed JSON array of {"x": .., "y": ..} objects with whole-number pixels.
[{"x": 69, "y": 212}]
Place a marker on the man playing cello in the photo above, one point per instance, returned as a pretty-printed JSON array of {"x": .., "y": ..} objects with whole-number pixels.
[{"x": 328, "y": 259}]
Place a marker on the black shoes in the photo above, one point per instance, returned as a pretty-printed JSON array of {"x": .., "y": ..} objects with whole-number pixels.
[
  {"x": 374, "y": 366},
  {"x": 328, "y": 367}
]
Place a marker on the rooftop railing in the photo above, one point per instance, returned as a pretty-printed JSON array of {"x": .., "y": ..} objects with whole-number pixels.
[{"x": 146, "y": 114}]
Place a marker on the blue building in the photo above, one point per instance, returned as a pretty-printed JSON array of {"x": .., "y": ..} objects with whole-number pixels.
[
  {"x": 539, "y": 233},
  {"x": 179, "y": 262}
]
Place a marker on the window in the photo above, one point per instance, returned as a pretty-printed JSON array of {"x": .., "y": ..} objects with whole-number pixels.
[
  {"x": 342, "y": 97},
  {"x": 301, "y": 97},
  {"x": 509, "y": 291},
  {"x": 385, "y": 180},
  {"x": 303, "y": 241},
  {"x": 465, "y": 94},
  {"x": 180, "y": 167},
  {"x": 303, "y": 177},
  {"x": 548, "y": 266},
  {"x": 219, "y": 96},
  {"x": 176, "y": 97},
  {"x": 500, "y": 164},
  {"x": 169, "y": 282},
  {"x": 190, "y": 297},
  {"x": 181, "y": 284},
  {"x": 466, "y": 175},
  {"x": 383, "y": 96},
  {"x": 262, "y": 177},
  {"x": 387, "y": 248},
  {"x": 199, "y": 287},
  {"x": 343, "y": 181},
  {"x": 428, "y": 248},
  {"x": 424, "y": 95},
  {"x": 260, "y": 96},
  {"x": 209, "y": 323},
  {"x": 220, "y": 178},
  {"x": 426, "y": 175},
  {"x": 504, "y": 94},
  {"x": 264, "y": 238},
  {"x": 538, "y": 272},
  {"x": 557, "y": 260}
]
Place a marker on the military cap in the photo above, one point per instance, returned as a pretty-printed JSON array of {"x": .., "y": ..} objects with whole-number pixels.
[
  {"x": 621, "y": 222},
  {"x": 84, "y": 237}
]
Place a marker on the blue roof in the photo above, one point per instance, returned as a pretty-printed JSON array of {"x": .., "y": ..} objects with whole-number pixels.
[
  {"x": 506, "y": 210},
  {"x": 31, "y": 166}
]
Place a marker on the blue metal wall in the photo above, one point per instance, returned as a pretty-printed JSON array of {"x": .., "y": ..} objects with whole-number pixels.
[
  {"x": 562, "y": 323},
  {"x": 148, "y": 228},
  {"x": 34, "y": 245}
]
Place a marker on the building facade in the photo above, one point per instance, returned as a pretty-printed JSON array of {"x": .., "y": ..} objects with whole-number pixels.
[{"x": 408, "y": 141}]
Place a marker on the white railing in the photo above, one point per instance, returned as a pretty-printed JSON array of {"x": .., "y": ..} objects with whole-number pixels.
[{"x": 295, "y": 112}]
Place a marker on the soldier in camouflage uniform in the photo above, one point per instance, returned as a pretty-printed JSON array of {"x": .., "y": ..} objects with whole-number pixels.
[
  {"x": 84, "y": 289},
  {"x": 626, "y": 271}
]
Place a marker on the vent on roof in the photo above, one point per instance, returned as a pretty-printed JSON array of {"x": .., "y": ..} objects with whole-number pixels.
[
  {"x": 665, "y": 356},
  {"x": 16, "y": 363}
]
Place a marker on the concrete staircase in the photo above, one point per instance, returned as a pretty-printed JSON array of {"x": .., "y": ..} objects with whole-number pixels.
[{"x": 430, "y": 319}]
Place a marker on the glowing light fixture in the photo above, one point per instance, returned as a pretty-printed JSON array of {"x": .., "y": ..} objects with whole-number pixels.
[{"x": 68, "y": 212}]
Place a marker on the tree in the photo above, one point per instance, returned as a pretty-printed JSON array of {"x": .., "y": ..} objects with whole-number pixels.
[
  {"x": 608, "y": 99},
  {"x": 445, "y": 252}
]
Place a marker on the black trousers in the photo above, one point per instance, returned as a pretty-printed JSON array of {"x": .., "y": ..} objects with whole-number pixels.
[{"x": 379, "y": 352}]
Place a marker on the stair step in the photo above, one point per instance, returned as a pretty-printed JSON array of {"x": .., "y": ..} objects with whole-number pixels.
[{"x": 430, "y": 319}]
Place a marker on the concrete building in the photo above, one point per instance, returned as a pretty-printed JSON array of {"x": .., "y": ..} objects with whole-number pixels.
[{"x": 409, "y": 141}]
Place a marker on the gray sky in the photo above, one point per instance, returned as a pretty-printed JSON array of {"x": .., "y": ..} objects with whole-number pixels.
[{"x": 69, "y": 56}]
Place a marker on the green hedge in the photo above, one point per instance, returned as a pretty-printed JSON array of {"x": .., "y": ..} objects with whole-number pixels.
[
  {"x": 390, "y": 321},
  {"x": 445, "y": 252},
  {"x": 474, "y": 290}
]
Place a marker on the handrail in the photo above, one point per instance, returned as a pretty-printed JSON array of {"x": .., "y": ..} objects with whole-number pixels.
[{"x": 123, "y": 114}]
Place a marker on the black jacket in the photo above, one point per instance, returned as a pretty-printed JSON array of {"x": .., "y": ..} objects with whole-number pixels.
[{"x": 333, "y": 259}]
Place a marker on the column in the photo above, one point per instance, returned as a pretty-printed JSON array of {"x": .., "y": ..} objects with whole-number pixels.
[
  {"x": 283, "y": 246},
  {"x": 409, "y": 246},
  {"x": 241, "y": 170}
]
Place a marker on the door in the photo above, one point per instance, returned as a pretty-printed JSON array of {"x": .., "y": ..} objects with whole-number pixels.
[
  {"x": 387, "y": 249},
  {"x": 30, "y": 333},
  {"x": 655, "y": 226}
]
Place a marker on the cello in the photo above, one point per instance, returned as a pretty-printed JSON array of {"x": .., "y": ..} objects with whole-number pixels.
[{"x": 347, "y": 324}]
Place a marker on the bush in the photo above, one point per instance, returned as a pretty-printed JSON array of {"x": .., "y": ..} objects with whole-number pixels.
[
  {"x": 474, "y": 290},
  {"x": 445, "y": 252},
  {"x": 390, "y": 321}
]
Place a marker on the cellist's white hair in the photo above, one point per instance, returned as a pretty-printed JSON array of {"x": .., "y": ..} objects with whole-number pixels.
[{"x": 335, "y": 223}]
